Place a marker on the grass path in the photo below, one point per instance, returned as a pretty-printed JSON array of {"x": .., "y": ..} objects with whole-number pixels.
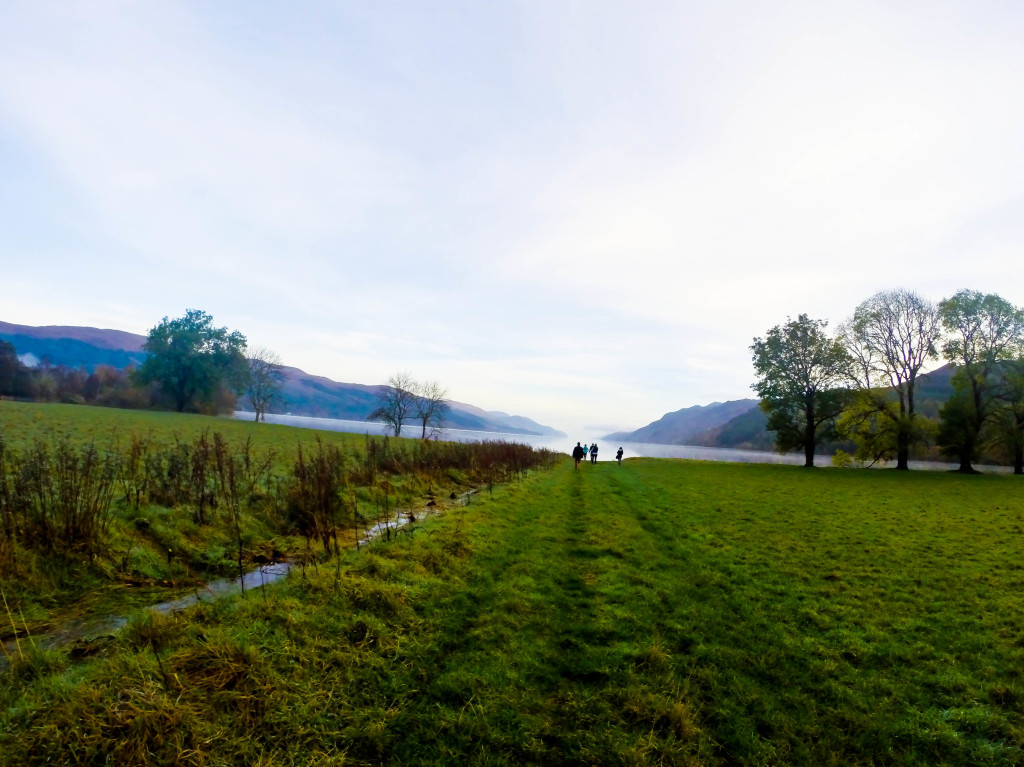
[
  {"x": 665, "y": 612},
  {"x": 655, "y": 613}
]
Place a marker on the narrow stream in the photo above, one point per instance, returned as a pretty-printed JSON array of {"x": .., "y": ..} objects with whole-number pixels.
[{"x": 88, "y": 631}]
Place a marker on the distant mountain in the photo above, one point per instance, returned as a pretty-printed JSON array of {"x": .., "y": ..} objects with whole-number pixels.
[
  {"x": 680, "y": 427},
  {"x": 746, "y": 431},
  {"x": 514, "y": 424},
  {"x": 120, "y": 340},
  {"x": 932, "y": 390},
  {"x": 75, "y": 347},
  {"x": 740, "y": 424},
  {"x": 303, "y": 393},
  {"x": 306, "y": 394}
]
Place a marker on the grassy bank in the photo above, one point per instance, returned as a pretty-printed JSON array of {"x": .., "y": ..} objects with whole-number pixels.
[
  {"x": 661, "y": 612},
  {"x": 99, "y": 507}
]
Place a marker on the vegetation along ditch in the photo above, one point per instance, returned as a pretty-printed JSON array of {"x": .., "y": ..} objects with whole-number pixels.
[{"x": 100, "y": 514}]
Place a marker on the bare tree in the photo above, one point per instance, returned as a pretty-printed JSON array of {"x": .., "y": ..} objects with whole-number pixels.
[
  {"x": 431, "y": 407},
  {"x": 266, "y": 374},
  {"x": 396, "y": 402},
  {"x": 890, "y": 337}
]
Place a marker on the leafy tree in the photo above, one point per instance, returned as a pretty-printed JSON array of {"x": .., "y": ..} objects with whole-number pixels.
[
  {"x": 396, "y": 402},
  {"x": 111, "y": 387},
  {"x": 1008, "y": 431},
  {"x": 193, "y": 363},
  {"x": 430, "y": 407},
  {"x": 799, "y": 371},
  {"x": 984, "y": 331},
  {"x": 9, "y": 365},
  {"x": 266, "y": 374},
  {"x": 871, "y": 420},
  {"x": 889, "y": 338}
]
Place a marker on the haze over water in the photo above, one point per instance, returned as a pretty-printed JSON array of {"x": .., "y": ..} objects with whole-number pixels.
[{"x": 606, "y": 449}]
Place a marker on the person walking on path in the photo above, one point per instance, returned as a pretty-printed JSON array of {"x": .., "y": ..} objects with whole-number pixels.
[
  {"x": 577, "y": 455},
  {"x": 618, "y": 456},
  {"x": 593, "y": 453},
  {"x": 585, "y": 449}
]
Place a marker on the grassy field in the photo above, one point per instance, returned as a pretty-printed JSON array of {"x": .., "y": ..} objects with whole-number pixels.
[
  {"x": 23, "y": 422},
  {"x": 659, "y": 612}
]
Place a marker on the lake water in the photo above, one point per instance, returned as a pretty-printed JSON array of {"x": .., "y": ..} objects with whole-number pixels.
[{"x": 606, "y": 451}]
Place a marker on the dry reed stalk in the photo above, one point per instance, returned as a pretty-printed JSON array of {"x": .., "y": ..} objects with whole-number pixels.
[{"x": 14, "y": 626}]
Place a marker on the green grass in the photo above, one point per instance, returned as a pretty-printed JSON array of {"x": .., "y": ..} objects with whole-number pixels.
[
  {"x": 659, "y": 612},
  {"x": 23, "y": 422},
  {"x": 154, "y": 547}
]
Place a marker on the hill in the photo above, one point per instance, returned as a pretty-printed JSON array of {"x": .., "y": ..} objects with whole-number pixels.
[
  {"x": 303, "y": 393},
  {"x": 740, "y": 424},
  {"x": 746, "y": 431},
  {"x": 74, "y": 347},
  {"x": 681, "y": 426}
]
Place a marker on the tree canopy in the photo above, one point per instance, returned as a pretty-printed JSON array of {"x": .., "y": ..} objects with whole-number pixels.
[
  {"x": 890, "y": 338},
  {"x": 800, "y": 369},
  {"x": 9, "y": 365},
  {"x": 984, "y": 331},
  {"x": 197, "y": 366}
]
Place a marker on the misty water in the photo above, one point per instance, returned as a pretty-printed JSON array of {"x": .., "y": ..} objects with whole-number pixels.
[{"x": 606, "y": 451}]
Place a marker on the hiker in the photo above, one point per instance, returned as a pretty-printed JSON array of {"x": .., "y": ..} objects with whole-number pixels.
[
  {"x": 585, "y": 449},
  {"x": 577, "y": 455},
  {"x": 618, "y": 456},
  {"x": 593, "y": 453}
]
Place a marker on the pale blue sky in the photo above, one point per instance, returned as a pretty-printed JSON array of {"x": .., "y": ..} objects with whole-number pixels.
[{"x": 581, "y": 212}]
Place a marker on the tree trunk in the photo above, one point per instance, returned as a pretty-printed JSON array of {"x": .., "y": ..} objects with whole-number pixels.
[
  {"x": 809, "y": 434},
  {"x": 902, "y": 458},
  {"x": 966, "y": 454},
  {"x": 902, "y": 435},
  {"x": 965, "y": 461},
  {"x": 1018, "y": 459}
]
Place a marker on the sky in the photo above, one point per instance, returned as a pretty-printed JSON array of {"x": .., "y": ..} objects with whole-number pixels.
[{"x": 580, "y": 212}]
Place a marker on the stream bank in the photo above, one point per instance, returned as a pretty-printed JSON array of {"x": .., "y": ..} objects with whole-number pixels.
[{"x": 87, "y": 636}]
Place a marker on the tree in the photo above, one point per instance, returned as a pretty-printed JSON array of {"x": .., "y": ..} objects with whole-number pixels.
[
  {"x": 871, "y": 420},
  {"x": 9, "y": 366},
  {"x": 266, "y": 374},
  {"x": 193, "y": 363},
  {"x": 1008, "y": 429},
  {"x": 984, "y": 332},
  {"x": 799, "y": 371},
  {"x": 889, "y": 338},
  {"x": 430, "y": 406},
  {"x": 396, "y": 402}
]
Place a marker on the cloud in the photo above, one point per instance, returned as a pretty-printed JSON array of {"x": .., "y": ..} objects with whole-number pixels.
[{"x": 575, "y": 209}]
